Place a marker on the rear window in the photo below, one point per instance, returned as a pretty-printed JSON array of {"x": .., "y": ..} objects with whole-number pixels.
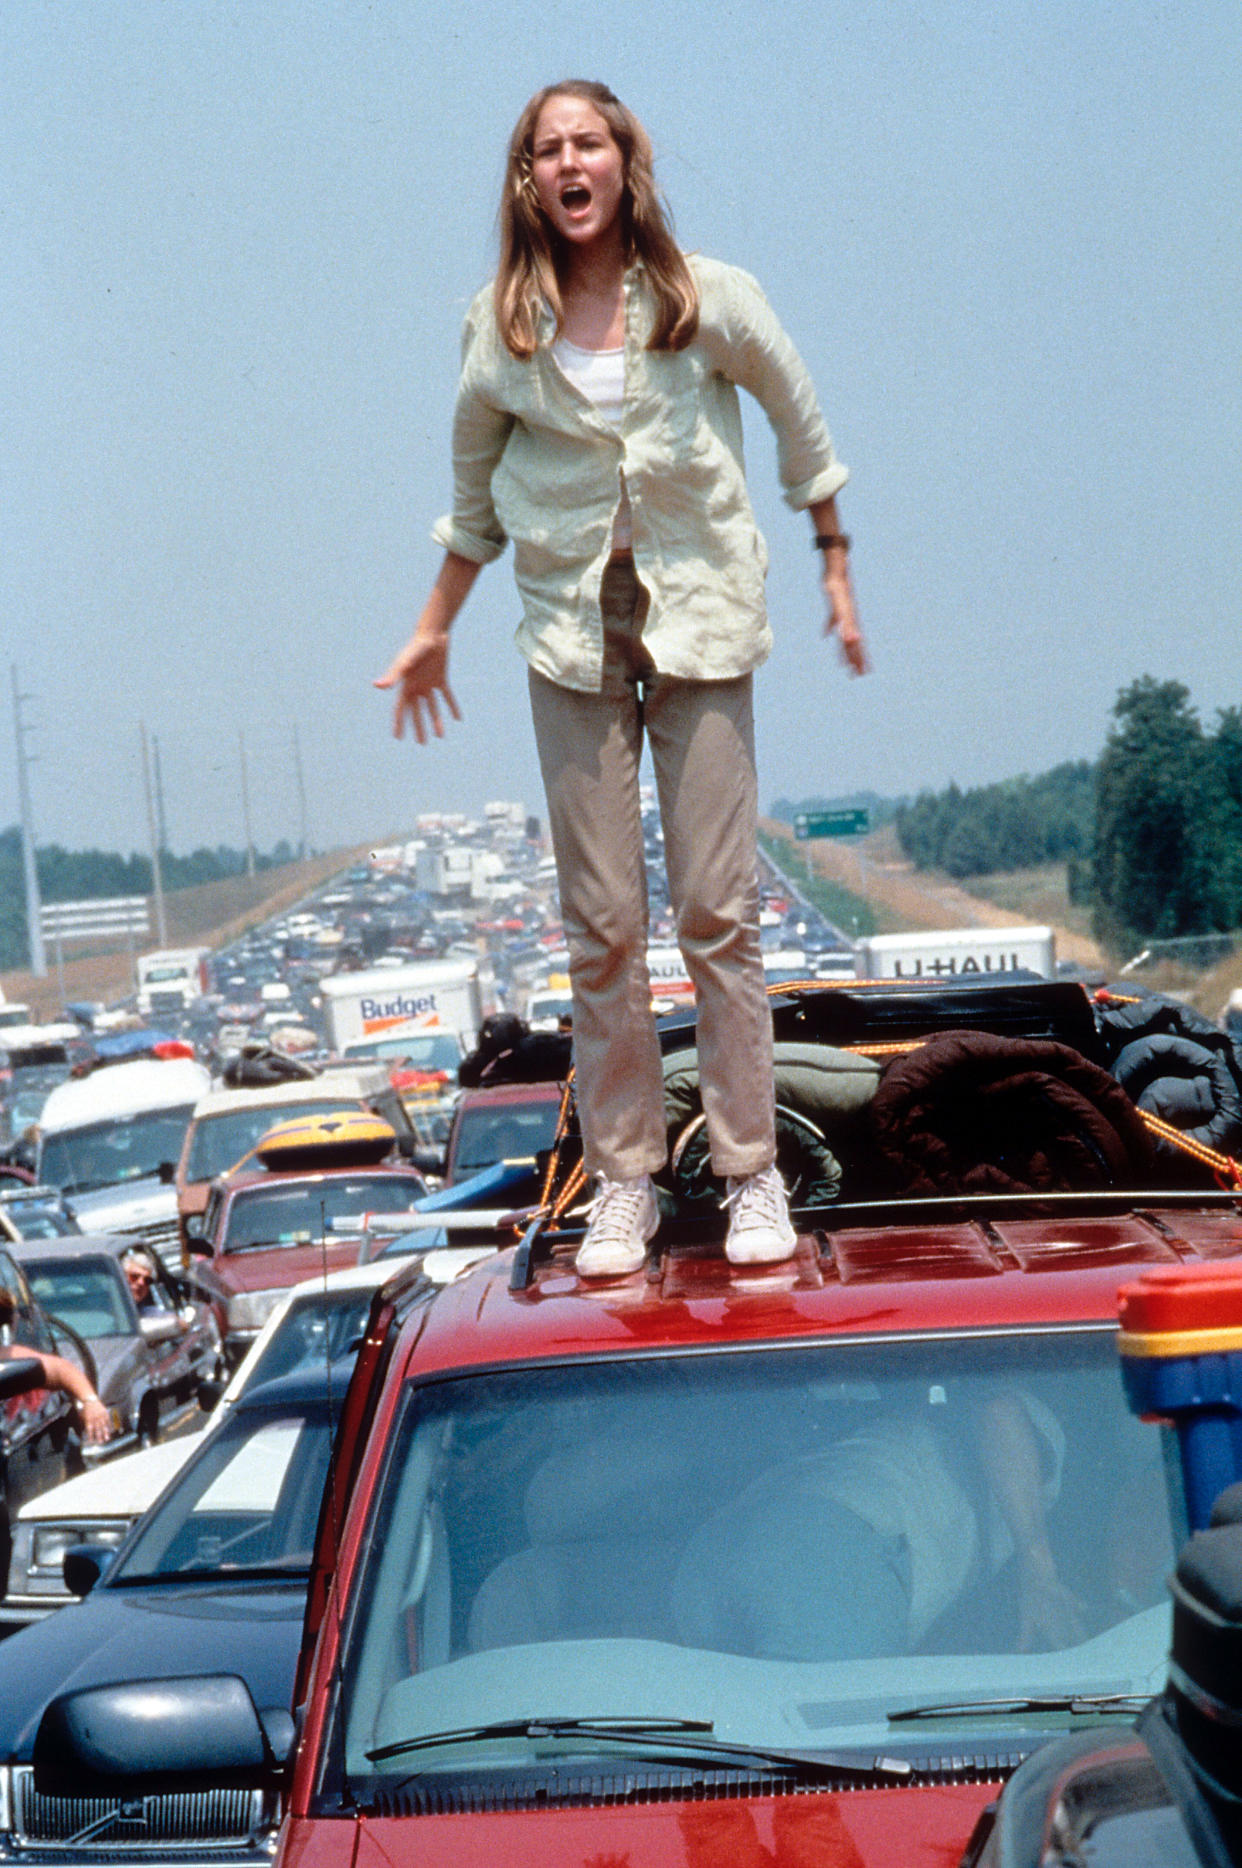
[{"x": 296, "y": 1215}]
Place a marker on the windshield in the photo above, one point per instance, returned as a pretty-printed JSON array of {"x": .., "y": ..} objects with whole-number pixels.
[
  {"x": 105, "y": 1154},
  {"x": 250, "y": 1502},
  {"x": 299, "y": 1214},
  {"x": 791, "y": 1543},
  {"x": 91, "y": 1298},
  {"x": 503, "y": 1132},
  {"x": 220, "y": 1142}
]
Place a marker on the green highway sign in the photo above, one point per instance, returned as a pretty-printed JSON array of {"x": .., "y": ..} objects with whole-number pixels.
[{"x": 854, "y": 823}]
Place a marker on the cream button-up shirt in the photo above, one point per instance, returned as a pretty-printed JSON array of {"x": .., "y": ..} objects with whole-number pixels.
[{"x": 535, "y": 462}]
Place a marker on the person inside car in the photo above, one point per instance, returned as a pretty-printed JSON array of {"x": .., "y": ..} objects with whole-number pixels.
[
  {"x": 65, "y": 1377},
  {"x": 140, "y": 1277}
]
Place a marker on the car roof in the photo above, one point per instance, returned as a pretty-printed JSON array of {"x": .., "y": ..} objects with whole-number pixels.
[
  {"x": 486, "y": 1095},
  {"x": 998, "y": 1272},
  {"x": 74, "y": 1245},
  {"x": 136, "y": 1087},
  {"x": 245, "y": 1179},
  {"x": 326, "y": 1087}
]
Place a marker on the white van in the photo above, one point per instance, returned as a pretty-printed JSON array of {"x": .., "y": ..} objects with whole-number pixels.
[{"x": 111, "y": 1140}]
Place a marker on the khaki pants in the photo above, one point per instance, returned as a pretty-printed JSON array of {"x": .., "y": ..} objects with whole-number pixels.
[{"x": 702, "y": 745}]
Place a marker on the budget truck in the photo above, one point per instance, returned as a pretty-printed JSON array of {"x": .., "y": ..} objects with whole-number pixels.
[{"x": 371, "y": 1013}]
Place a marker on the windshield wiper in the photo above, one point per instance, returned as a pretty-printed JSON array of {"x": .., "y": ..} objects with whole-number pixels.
[
  {"x": 682, "y": 1735},
  {"x": 1034, "y": 1702}
]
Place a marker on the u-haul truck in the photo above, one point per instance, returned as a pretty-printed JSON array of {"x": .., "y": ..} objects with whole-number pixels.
[
  {"x": 403, "y": 1002},
  {"x": 951, "y": 953}
]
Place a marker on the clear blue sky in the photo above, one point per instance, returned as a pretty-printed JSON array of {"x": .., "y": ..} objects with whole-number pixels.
[{"x": 239, "y": 236}]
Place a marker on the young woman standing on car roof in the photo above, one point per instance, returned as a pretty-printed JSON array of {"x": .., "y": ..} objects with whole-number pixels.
[{"x": 597, "y": 425}]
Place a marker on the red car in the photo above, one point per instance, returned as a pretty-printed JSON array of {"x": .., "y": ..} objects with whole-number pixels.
[
  {"x": 710, "y": 1565},
  {"x": 265, "y": 1231}
]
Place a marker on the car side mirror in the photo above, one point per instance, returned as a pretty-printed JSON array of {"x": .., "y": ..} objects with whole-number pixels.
[
  {"x": 139, "y": 1738},
  {"x": 82, "y": 1566},
  {"x": 21, "y": 1376},
  {"x": 164, "y": 1326},
  {"x": 167, "y": 1172}
]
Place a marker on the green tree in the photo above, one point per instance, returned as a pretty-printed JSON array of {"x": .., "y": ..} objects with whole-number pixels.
[{"x": 1156, "y": 828}]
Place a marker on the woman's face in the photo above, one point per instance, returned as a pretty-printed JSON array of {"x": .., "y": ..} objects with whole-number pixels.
[{"x": 577, "y": 170}]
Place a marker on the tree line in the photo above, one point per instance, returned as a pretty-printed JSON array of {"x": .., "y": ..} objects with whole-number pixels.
[
  {"x": 91, "y": 875},
  {"x": 1150, "y": 832}
]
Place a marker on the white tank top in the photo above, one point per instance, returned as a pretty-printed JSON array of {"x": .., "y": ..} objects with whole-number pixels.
[{"x": 600, "y": 376}]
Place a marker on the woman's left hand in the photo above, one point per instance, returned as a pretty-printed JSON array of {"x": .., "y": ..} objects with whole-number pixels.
[{"x": 842, "y": 618}]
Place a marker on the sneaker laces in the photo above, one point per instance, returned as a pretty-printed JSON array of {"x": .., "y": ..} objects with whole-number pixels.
[
  {"x": 759, "y": 1200},
  {"x": 614, "y": 1214}
]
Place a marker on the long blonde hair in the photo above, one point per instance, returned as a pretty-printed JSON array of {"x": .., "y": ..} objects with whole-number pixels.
[{"x": 527, "y": 275}]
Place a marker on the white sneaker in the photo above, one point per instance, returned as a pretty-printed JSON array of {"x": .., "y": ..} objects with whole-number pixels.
[
  {"x": 621, "y": 1219},
  {"x": 760, "y": 1229}
]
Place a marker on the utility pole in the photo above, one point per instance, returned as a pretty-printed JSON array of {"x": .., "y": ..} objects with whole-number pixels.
[
  {"x": 157, "y": 879},
  {"x": 301, "y": 785},
  {"x": 34, "y": 927},
  {"x": 161, "y": 823},
  {"x": 245, "y": 792}
]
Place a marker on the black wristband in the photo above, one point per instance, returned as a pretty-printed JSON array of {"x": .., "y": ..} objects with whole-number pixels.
[{"x": 824, "y": 541}]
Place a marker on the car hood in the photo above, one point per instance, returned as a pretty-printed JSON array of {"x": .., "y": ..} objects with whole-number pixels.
[
  {"x": 121, "y": 1488},
  {"x": 861, "y": 1828},
  {"x": 251, "y": 1629},
  {"x": 145, "y": 1202},
  {"x": 279, "y": 1267}
]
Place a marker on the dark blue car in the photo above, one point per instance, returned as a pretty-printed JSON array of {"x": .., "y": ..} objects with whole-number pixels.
[{"x": 211, "y": 1581}]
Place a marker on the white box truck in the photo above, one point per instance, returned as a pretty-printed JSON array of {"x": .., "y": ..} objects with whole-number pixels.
[
  {"x": 954, "y": 952},
  {"x": 367, "y": 1011},
  {"x": 169, "y": 980}
]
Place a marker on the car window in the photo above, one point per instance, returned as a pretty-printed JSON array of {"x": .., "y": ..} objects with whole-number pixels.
[
  {"x": 793, "y": 1542},
  {"x": 88, "y": 1297},
  {"x": 284, "y": 1215},
  {"x": 250, "y": 1501},
  {"x": 503, "y": 1132},
  {"x": 219, "y": 1142},
  {"x": 106, "y": 1154},
  {"x": 312, "y": 1332}
]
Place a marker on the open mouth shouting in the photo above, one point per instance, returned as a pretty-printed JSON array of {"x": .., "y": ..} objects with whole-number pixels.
[{"x": 577, "y": 170}]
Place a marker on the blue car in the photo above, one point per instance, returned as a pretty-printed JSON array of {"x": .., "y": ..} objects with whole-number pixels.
[{"x": 211, "y": 1580}]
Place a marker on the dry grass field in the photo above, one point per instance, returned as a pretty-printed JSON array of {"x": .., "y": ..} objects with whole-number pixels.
[{"x": 205, "y": 916}]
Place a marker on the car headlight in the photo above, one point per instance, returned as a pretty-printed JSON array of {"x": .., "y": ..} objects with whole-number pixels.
[
  {"x": 250, "y": 1310},
  {"x": 51, "y": 1541},
  {"x": 6, "y": 1801}
]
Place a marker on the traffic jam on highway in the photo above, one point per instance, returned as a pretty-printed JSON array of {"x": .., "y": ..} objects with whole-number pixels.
[{"x": 343, "y": 1522}]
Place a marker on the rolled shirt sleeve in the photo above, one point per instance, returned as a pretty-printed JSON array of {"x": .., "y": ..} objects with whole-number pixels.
[
  {"x": 480, "y": 432},
  {"x": 762, "y": 360}
]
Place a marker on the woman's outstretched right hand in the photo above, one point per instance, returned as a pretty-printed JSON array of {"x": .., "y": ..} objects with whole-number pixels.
[
  {"x": 420, "y": 672},
  {"x": 420, "y": 676}
]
